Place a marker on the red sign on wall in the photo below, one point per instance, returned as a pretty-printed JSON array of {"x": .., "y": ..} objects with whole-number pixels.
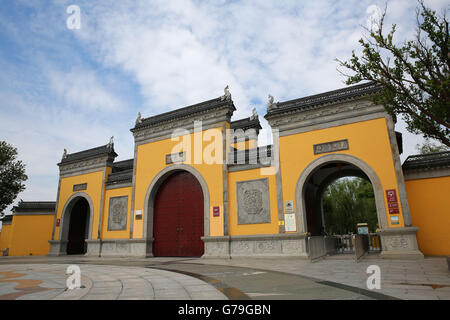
[
  {"x": 391, "y": 196},
  {"x": 216, "y": 211},
  {"x": 58, "y": 221}
]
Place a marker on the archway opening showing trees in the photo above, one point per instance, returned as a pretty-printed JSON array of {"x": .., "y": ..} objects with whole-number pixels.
[
  {"x": 346, "y": 202},
  {"x": 339, "y": 195}
]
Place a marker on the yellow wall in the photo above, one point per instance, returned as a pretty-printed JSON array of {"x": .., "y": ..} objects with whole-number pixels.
[
  {"x": 429, "y": 203},
  {"x": 151, "y": 159},
  {"x": 251, "y": 229},
  {"x": 31, "y": 235},
  {"x": 116, "y": 234},
  {"x": 368, "y": 141},
  {"x": 94, "y": 190},
  {"x": 6, "y": 236},
  {"x": 28, "y": 234}
]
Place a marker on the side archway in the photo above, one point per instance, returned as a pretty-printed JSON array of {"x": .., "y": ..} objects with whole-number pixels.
[
  {"x": 150, "y": 196},
  {"x": 316, "y": 164},
  {"x": 66, "y": 216}
]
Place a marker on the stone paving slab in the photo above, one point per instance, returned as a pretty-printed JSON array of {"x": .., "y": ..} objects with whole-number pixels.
[
  {"x": 404, "y": 279},
  {"x": 46, "y": 282}
]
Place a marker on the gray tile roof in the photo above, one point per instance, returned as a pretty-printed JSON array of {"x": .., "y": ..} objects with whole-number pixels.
[
  {"x": 427, "y": 161},
  {"x": 186, "y": 111},
  {"x": 123, "y": 176},
  {"x": 317, "y": 100},
  {"x": 90, "y": 153},
  {"x": 35, "y": 207},
  {"x": 246, "y": 123}
]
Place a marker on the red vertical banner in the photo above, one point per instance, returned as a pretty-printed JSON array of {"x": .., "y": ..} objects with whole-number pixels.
[{"x": 391, "y": 196}]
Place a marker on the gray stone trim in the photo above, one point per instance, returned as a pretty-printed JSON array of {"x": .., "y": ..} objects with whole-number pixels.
[
  {"x": 226, "y": 147},
  {"x": 426, "y": 173},
  {"x": 355, "y": 110},
  {"x": 253, "y": 246},
  {"x": 245, "y": 167},
  {"x": 202, "y": 108},
  {"x": 35, "y": 214},
  {"x": 85, "y": 166},
  {"x": 118, "y": 247},
  {"x": 153, "y": 189},
  {"x": 82, "y": 172},
  {"x": 124, "y": 227},
  {"x": 102, "y": 195},
  {"x": 262, "y": 185},
  {"x": 133, "y": 189},
  {"x": 370, "y": 173},
  {"x": 278, "y": 180},
  {"x": 57, "y": 248},
  {"x": 398, "y": 171},
  {"x": 65, "y": 215},
  {"x": 318, "y": 125},
  {"x": 118, "y": 185},
  {"x": 317, "y": 100},
  {"x": 211, "y": 119},
  {"x": 56, "y": 209},
  {"x": 400, "y": 243}
]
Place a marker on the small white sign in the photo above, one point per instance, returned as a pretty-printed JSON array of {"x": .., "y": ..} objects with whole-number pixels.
[
  {"x": 289, "y": 222},
  {"x": 138, "y": 212},
  {"x": 289, "y": 206}
]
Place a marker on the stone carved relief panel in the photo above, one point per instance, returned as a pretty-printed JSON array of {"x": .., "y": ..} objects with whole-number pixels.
[
  {"x": 253, "y": 201},
  {"x": 117, "y": 215}
]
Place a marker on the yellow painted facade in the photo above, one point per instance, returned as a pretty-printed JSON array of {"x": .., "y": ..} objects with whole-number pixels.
[
  {"x": 430, "y": 211},
  {"x": 368, "y": 141},
  {"x": 95, "y": 187},
  {"x": 27, "y": 235},
  {"x": 116, "y": 234},
  {"x": 6, "y": 237},
  {"x": 251, "y": 229},
  {"x": 148, "y": 166}
]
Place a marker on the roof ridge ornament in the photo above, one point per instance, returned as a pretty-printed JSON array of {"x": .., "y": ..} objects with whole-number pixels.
[
  {"x": 110, "y": 144},
  {"x": 227, "y": 94},
  {"x": 139, "y": 118},
  {"x": 254, "y": 114},
  {"x": 64, "y": 154},
  {"x": 270, "y": 104}
]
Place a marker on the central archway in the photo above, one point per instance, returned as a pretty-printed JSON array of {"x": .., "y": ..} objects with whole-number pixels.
[
  {"x": 150, "y": 205},
  {"x": 327, "y": 165},
  {"x": 178, "y": 217}
]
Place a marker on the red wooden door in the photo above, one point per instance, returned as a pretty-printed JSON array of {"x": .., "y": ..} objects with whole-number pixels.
[{"x": 178, "y": 217}]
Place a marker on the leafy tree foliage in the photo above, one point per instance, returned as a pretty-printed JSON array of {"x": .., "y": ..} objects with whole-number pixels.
[
  {"x": 347, "y": 202},
  {"x": 430, "y": 147},
  {"x": 12, "y": 175},
  {"x": 414, "y": 76}
]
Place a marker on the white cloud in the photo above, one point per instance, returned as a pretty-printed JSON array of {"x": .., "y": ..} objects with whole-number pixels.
[
  {"x": 172, "y": 53},
  {"x": 81, "y": 89}
]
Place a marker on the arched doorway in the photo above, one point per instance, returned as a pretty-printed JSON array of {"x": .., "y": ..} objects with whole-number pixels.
[
  {"x": 178, "y": 216},
  {"x": 314, "y": 189},
  {"x": 78, "y": 226}
]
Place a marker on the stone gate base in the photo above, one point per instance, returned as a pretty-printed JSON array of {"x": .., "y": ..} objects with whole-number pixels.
[
  {"x": 105, "y": 248},
  {"x": 400, "y": 243},
  {"x": 278, "y": 245}
]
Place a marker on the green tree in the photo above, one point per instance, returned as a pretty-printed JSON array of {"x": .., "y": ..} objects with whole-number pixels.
[
  {"x": 12, "y": 175},
  {"x": 413, "y": 76},
  {"x": 429, "y": 147},
  {"x": 346, "y": 202}
]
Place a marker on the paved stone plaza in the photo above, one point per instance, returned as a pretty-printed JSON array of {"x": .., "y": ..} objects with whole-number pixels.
[{"x": 44, "y": 278}]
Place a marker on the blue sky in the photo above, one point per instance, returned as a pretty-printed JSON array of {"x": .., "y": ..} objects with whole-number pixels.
[{"x": 73, "y": 89}]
